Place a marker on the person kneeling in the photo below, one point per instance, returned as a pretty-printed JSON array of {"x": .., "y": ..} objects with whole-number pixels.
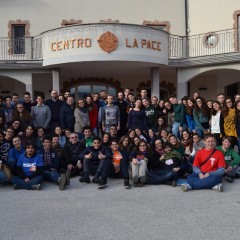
[
  {"x": 208, "y": 168},
  {"x": 29, "y": 170}
]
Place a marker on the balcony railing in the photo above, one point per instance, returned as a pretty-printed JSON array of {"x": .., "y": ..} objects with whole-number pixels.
[
  {"x": 181, "y": 48},
  {"x": 211, "y": 43}
]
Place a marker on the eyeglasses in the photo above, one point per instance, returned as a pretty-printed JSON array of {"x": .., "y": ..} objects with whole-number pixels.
[
  {"x": 142, "y": 145},
  {"x": 228, "y": 101},
  {"x": 10, "y": 132},
  {"x": 73, "y": 137}
]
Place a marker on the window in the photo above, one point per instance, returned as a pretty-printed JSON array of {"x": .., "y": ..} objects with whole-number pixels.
[
  {"x": 18, "y": 31},
  {"x": 83, "y": 90},
  {"x": 18, "y": 39}
]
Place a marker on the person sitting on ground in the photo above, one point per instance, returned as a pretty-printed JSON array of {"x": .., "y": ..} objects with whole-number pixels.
[
  {"x": 29, "y": 170},
  {"x": 72, "y": 150},
  {"x": 170, "y": 167},
  {"x": 232, "y": 159},
  {"x": 3, "y": 158},
  {"x": 140, "y": 158},
  {"x": 60, "y": 154},
  {"x": 51, "y": 164},
  {"x": 15, "y": 153},
  {"x": 118, "y": 165},
  {"x": 208, "y": 168},
  {"x": 94, "y": 163}
]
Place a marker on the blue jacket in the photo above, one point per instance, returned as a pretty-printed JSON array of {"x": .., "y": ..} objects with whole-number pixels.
[
  {"x": 54, "y": 164},
  {"x": 67, "y": 119}
]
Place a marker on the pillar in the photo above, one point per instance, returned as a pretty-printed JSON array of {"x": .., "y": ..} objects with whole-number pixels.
[
  {"x": 155, "y": 80},
  {"x": 182, "y": 83},
  {"x": 55, "y": 79}
]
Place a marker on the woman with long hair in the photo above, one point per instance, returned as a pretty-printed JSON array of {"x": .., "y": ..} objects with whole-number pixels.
[
  {"x": 228, "y": 121},
  {"x": 215, "y": 121},
  {"x": 140, "y": 159},
  {"x": 201, "y": 116},
  {"x": 137, "y": 117},
  {"x": 40, "y": 134},
  {"x": 189, "y": 115},
  {"x": 19, "y": 113},
  {"x": 81, "y": 116}
]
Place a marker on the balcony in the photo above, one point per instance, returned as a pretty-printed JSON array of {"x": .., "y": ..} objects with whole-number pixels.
[
  {"x": 202, "y": 49},
  {"x": 210, "y": 48}
]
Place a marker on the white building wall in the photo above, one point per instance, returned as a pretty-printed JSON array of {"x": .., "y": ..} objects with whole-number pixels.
[
  {"x": 45, "y": 15},
  {"x": 214, "y": 15}
]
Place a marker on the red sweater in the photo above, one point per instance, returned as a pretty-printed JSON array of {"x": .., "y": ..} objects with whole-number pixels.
[{"x": 215, "y": 162}]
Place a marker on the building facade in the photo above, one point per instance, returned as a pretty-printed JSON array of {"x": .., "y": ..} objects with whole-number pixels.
[{"x": 180, "y": 47}]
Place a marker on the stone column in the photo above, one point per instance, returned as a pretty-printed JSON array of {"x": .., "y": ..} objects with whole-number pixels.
[
  {"x": 29, "y": 84},
  {"x": 155, "y": 80},
  {"x": 55, "y": 78}
]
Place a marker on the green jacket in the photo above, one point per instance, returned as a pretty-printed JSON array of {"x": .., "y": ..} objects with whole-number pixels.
[{"x": 231, "y": 157}]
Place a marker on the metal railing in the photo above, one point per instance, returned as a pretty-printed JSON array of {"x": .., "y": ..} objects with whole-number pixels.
[
  {"x": 202, "y": 45},
  {"x": 212, "y": 43}
]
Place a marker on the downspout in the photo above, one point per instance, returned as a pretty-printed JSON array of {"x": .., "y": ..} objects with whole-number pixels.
[{"x": 186, "y": 27}]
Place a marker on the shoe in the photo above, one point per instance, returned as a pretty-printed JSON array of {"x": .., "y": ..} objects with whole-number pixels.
[
  {"x": 68, "y": 175},
  {"x": 142, "y": 179},
  {"x": 218, "y": 187},
  {"x": 135, "y": 184},
  {"x": 126, "y": 184},
  {"x": 185, "y": 187},
  {"x": 102, "y": 183},
  {"x": 15, "y": 187},
  {"x": 95, "y": 180},
  {"x": 62, "y": 182},
  {"x": 36, "y": 187},
  {"x": 237, "y": 175},
  {"x": 148, "y": 181},
  {"x": 135, "y": 178},
  {"x": 85, "y": 179},
  {"x": 172, "y": 183},
  {"x": 229, "y": 178}
]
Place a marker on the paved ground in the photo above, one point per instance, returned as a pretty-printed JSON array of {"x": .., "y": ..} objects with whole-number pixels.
[{"x": 151, "y": 212}]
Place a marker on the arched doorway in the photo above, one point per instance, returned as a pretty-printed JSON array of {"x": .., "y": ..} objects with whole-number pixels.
[{"x": 8, "y": 86}]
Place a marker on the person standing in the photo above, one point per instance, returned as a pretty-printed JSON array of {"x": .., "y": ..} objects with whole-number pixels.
[
  {"x": 67, "y": 119},
  {"x": 55, "y": 105},
  {"x": 41, "y": 114},
  {"x": 110, "y": 115}
]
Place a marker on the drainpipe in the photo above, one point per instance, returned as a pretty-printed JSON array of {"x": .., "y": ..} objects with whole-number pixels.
[{"x": 186, "y": 27}]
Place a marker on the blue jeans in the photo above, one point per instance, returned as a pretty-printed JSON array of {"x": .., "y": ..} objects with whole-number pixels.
[
  {"x": 52, "y": 176},
  {"x": 3, "y": 177},
  {"x": 23, "y": 185},
  {"x": 206, "y": 183},
  {"x": 158, "y": 177},
  {"x": 123, "y": 169},
  {"x": 175, "y": 129},
  {"x": 11, "y": 163}
]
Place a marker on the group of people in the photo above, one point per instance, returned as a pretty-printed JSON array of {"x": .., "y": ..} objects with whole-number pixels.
[{"x": 148, "y": 140}]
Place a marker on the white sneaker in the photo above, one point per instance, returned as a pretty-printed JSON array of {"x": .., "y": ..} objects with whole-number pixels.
[
  {"x": 185, "y": 187},
  {"x": 218, "y": 187}
]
